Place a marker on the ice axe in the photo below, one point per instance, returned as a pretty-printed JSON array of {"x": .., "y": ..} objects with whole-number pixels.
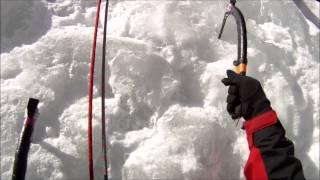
[
  {"x": 24, "y": 142},
  {"x": 241, "y": 62}
]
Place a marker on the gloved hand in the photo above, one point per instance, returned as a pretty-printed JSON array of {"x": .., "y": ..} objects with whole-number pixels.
[{"x": 246, "y": 97}]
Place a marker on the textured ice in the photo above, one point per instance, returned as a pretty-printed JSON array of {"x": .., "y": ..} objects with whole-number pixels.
[{"x": 166, "y": 104}]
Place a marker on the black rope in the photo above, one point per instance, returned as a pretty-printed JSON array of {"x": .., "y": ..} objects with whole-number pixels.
[{"x": 103, "y": 74}]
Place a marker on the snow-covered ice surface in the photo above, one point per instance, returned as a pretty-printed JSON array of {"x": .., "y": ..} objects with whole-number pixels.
[{"x": 167, "y": 118}]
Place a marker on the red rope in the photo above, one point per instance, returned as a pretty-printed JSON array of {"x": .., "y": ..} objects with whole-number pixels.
[{"x": 91, "y": 75}]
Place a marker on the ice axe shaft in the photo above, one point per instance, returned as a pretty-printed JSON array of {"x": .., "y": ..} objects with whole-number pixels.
[
  {"x": 21, "y": 156},
  {"x": 241, "y": 62}
]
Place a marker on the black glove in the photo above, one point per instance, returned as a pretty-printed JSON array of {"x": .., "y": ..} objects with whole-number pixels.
[{"x": 246, "y": 97}]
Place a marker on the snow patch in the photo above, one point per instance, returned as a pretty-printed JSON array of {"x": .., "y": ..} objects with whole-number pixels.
[{"x": 166, "y": 103}]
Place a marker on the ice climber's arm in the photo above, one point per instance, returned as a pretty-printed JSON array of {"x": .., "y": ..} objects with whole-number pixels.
[{"x": 271, "y": 153}]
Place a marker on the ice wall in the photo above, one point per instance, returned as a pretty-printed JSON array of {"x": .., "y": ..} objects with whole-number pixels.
[
  {"x": 23, "y": 22},
  {"x": 166, "y": 104}
]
